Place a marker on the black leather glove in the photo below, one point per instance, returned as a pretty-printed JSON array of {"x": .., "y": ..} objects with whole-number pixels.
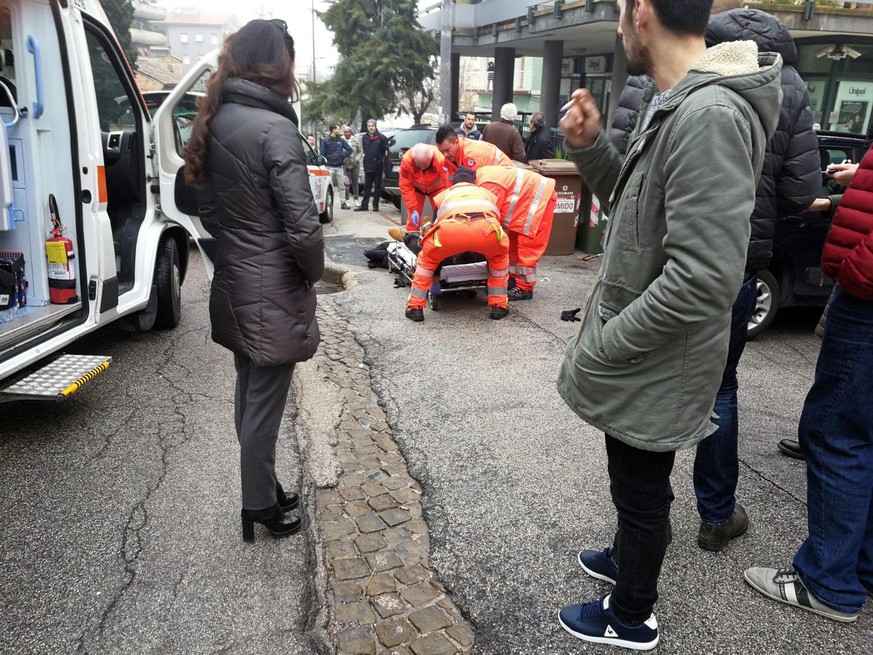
[{"x": 570, "y": 315}]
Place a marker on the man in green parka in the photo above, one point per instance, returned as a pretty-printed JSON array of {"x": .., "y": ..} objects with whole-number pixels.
[{"x": 648, "y": 360}]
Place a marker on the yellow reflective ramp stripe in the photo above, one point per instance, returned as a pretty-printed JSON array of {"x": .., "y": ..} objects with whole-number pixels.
[{"x": 85, "y": 379}]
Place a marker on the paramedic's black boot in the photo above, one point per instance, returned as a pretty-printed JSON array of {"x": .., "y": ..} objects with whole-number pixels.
[
  {"x": 273, "y": 518},
  {"x": 415, "y": 314},
  {"x": 497, "y": 313},
  {"x": 287, "y": 501},
  {"x": 517, "y": 293}
]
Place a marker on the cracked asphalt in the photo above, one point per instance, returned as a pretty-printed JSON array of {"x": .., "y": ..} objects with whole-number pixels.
[{"x": 120, "y": 530}]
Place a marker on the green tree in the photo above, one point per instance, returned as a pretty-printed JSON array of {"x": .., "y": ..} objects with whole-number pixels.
[
  {"x": 120, "y": 15},
  {"x": 386, "y": 59}
]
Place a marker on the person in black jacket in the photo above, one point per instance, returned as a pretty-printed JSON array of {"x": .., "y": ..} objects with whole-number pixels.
[
  {"x": 246, "y": 158},
  {"x": 789, "y": 182},
  {"x": 539, "y": 144},
  {"x": 336, "y": 150},
  {"x": 375, "y": 145},
  {"x": 627, "y": 112}
]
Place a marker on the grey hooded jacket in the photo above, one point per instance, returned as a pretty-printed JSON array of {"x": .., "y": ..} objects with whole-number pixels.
[
  {"x": 649, "y": 357},
  {"x": 270, "y": 244}
]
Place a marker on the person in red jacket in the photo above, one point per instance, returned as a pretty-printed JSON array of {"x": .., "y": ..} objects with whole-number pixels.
[
  {"x": 832, "y": 573},
  {"x": 460, "y": 151},
  {"x": 422, "y": 176},
  {"x": 527, "y": 206},
  {"x": 467, "y": 220}
]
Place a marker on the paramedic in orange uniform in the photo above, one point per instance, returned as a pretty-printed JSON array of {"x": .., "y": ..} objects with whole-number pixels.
[
  {"x": 422, "y": 176},
  {"x": 467, "y": 220},
  {"x": 527, "y": 206},
  {"x": 461, "y": 151}
]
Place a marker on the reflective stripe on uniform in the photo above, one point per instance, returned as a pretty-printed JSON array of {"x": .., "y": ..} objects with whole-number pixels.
[
  {"x": 527, "y": 273},
  {"x": 501, "y": 272},
  {"x": 516, "y": 194},
  {"x": 497, "y": 291},
  {"x": 418, "y": 293},
  {"x": 534, "y": 204},
  {"x": 470, "y": 205},
  {"x": 438, "y": 183},
  {"x": 497, "y": 154},
  {"x": 425, "y": 272}
]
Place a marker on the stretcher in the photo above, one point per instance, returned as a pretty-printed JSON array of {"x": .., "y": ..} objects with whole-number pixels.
[{"x": 463, "y": 274}]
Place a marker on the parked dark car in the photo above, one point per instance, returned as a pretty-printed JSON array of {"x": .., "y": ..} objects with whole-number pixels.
[
  {"x": 794, "y": 278},
  {"x": 398, "y": 144}
]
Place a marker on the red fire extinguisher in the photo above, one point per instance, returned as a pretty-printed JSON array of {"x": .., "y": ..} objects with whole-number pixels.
[{"x": 59, "y": 252}]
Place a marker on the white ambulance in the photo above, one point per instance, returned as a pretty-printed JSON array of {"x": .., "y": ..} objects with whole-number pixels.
[{"x": 90, "y": 228}]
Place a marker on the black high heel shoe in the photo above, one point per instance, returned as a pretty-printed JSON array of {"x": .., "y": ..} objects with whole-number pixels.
[
  {"x": 273, "y": 518},
  {"x": 286, "y": 501}
]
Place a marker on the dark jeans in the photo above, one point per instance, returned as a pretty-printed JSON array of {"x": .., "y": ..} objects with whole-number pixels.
[
  {"x": 639, "y": 481},
  {"x": 716, "y": 466},
  {"x": 836, "y": 438},
  {"x": 372, "y": 184},
  {"x": 259, "y": 403}
]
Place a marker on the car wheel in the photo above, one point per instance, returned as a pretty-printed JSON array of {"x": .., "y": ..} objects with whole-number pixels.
[
  {"x": 168, "y": 281},
  {"x": 766, "y": 304},
  {"x": 327, "y": 215}
]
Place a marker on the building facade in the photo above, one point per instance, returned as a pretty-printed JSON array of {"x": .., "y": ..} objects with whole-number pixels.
[
  {"x": 192, "y": 33},
  {"x": 577, "y": 45}
]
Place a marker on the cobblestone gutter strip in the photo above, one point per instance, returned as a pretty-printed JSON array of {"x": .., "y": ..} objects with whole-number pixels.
[{"x": 385, "y": 598}]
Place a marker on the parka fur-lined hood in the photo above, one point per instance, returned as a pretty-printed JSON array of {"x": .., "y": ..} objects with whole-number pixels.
[{"x": 739, "y": 67}]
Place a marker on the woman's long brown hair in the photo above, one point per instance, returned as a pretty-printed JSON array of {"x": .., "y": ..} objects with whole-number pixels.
[{"x": 261, "y": 52}]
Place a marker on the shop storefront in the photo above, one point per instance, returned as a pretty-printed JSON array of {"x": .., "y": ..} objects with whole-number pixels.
[{"x": 840, "y": 90}]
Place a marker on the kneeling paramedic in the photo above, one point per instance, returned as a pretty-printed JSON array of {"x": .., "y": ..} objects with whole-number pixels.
[{"x": 467, "y": 220}]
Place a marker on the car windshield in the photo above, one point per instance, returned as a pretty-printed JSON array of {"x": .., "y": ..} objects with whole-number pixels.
[{"x": 408, "y": 138}]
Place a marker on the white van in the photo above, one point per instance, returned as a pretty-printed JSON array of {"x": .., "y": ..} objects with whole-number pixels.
[{"x": 78, "y": 147}]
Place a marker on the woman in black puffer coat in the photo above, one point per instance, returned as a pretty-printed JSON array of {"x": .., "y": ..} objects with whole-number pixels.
[{"x": 246, "y": 158}]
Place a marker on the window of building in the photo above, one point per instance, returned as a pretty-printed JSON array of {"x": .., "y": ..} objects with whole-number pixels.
[
  {"x": 186, "y": 59},
  {"x": 198, "y": 38},
  {"x": 183, "y": 37},
  {"x": 214, "y": 39}
]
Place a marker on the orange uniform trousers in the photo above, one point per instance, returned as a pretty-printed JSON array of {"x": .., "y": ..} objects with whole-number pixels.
[
  {"x": 453, "y": 236},
  {"x": 525, "y": 250}
]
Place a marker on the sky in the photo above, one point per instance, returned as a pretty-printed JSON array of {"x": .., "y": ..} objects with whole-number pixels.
[{"x": 298, "y": 15}]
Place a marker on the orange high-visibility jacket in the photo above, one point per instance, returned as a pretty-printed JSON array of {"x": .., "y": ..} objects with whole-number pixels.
[
  {"x": 522, "y": 196},
  {"x": 475, "y": 155},
  {"x": 417, "y": 184},
  {"x": 465, "y": 198}
]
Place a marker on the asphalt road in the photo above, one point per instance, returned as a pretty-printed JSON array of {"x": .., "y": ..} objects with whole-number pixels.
[
  {"x": 120, "y": 530},
  {"x": 515, "y": 484}
]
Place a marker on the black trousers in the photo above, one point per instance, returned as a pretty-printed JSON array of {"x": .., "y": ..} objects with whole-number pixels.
[
  {"x": 372, "y": 183},
  {"x": 639, "y": 481},
  {"x": 259, "y": 403}
]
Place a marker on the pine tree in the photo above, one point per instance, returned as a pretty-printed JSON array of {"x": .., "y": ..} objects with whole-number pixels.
[{"x": 386, "y": 59}]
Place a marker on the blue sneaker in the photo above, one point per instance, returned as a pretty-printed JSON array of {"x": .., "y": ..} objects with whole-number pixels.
[
  {"x": 597, "y": 622},
  {"x": 600, "y": 564}
]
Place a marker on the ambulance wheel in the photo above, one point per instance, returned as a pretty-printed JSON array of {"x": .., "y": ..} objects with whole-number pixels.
[
  {"x": 168, "y": 280},
  {"x": 327, "y": 215},
  {"x": 434, "y": 303}
]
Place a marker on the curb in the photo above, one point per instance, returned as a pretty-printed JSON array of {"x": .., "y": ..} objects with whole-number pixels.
[{"x": 339, "y": 276}]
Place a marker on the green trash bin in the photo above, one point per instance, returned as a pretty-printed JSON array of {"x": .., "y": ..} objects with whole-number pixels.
[{"x": 592, "y": 224}]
